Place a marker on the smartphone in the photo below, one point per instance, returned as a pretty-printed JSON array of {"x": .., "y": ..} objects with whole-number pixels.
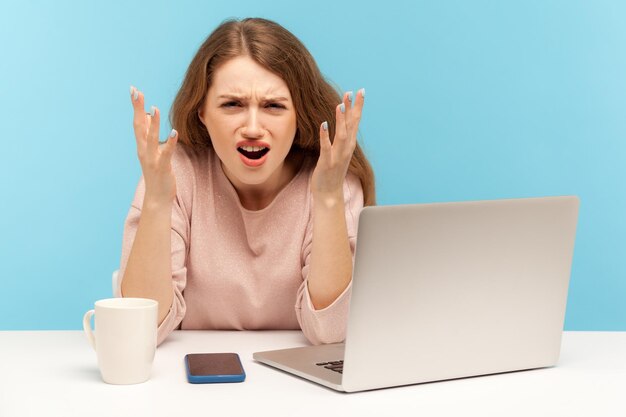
[{"x": 210, "y": 368}]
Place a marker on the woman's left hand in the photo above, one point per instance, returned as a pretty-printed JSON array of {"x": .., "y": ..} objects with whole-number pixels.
[{"x": 332, "y": 166}]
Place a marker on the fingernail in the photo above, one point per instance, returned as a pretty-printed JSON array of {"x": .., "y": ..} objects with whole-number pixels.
[
  {"x": 342, "y": 108},
  {"x": 325, "y": 126},
  {"x": 152, "y": 111},
  {"x": 363, "y": 92},
  {"x": 134, "y": 92},
  {"x": 173, "y": 133},
  {"x": 350, "y": 96}
]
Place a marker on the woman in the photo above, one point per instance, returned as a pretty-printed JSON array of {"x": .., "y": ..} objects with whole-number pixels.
[{"x": 255, "y": 210}]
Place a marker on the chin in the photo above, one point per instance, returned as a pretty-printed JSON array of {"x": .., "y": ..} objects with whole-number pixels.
[{"x": 252, "y": 176}]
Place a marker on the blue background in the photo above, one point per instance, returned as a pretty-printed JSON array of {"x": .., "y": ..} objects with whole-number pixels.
[{"x": 465, "y": 100}]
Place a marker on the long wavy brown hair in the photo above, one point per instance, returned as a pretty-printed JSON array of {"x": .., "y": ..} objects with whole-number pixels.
[{"x": 278, "y": 50}]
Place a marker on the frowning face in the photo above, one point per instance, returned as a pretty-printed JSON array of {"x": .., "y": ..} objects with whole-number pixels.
[{"x": 251, "y": 119}]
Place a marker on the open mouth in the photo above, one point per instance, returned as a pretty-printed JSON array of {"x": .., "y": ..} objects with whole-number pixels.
[{"x": 253, "y": 152}]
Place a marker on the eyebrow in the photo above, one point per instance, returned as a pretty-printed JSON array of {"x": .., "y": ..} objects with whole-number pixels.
[{"x": 237, "y": 97}]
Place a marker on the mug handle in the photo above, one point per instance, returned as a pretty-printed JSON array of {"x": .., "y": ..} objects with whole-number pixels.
[{"x": 87, "y": 328}]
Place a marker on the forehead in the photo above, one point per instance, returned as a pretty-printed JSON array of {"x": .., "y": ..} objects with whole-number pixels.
[{"x": 243, "y": 76}]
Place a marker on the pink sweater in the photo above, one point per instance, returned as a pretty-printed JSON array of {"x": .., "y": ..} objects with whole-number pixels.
[{"x": 233, "y": 268}]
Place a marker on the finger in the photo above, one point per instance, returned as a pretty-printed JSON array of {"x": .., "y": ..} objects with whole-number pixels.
[
  {"x": 348, "y": 100},
  {"x": 341, "y": 133},
  {"x": 325, "y": 145},
  {"x": 353, "y": 113},
  {"x": 139, "y": 117},
  {"x": 148, "y": 120},
  {"x": 357, "y": 110},
  {"x": 153, "y": 133},
  {"x": 170, "y": 145},
  {"x": 353, "y": 119}
]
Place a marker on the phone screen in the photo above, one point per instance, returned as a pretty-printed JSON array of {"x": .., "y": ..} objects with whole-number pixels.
[{"x": 214, "y": 368}]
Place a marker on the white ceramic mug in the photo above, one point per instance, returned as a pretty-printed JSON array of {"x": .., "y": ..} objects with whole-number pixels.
[{"x": 125, "y": 338}]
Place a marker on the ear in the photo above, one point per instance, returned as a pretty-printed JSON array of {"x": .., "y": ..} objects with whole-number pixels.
[{"x": 201, "y": 116}]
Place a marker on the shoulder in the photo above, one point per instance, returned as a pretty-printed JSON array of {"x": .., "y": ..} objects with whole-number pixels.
[
  {"x": 353, "y": 201},
  {"x": 191, "y": 173},
  {"x": 184, "y": 159},
  {"x": 353, "y": 191},
  {"x": 189, "y": 164}
]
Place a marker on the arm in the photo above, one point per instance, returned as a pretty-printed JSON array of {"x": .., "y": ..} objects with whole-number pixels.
[
  {"x": 328, "y": 324},
  {"x": 331, "y": 257},
  {"x": 179, "y": 234},
  {"x": 148, "y": 272}
]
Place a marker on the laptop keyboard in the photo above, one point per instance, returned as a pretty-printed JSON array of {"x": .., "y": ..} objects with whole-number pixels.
[{"x": 336, "y": 366}]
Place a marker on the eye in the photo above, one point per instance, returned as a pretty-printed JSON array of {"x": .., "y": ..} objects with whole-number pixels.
[
  {"x": 275, "y": 106},
  {"x": 230, "y": 104}
]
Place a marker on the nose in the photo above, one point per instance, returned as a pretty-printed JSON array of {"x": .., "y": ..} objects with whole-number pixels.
[{"x": 252, "y": 128}]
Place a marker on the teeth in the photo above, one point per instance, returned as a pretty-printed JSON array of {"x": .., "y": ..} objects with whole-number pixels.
[{"x": 252, "y": 148}]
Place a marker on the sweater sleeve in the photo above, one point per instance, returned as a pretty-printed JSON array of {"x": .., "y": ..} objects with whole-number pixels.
[
  {"x": 328, "y": 325},
  {"x": 179, "y": 244}
]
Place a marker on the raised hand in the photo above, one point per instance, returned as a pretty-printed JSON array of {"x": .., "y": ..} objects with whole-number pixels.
[
  {"x": 155, "y": 160},
  {"x": 332, "y": 166}
]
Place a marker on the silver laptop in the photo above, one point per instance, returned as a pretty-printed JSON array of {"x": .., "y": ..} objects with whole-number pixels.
[{"x": 449, "y": 290}]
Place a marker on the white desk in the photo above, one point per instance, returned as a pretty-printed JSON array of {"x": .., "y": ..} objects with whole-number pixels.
[{"x": 54, "y": 373}]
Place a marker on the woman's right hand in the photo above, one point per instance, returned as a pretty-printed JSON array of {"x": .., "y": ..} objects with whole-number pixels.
[{"x": 155, "y": 159}]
